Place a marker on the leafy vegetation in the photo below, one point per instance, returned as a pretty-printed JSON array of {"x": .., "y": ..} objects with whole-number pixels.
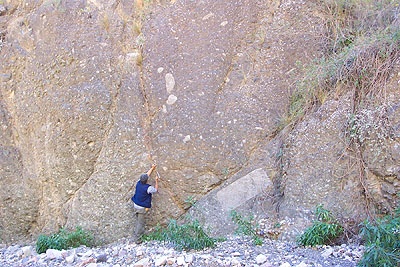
[
  {"x": 64, "y": 240},
  {"x": 246, "y": 226},
  {"x": 362, "y": 44},
  {"x": 323, "y": 231},
  {"x": 382, "y": 241},
  {"x": 183, "y": 237}
]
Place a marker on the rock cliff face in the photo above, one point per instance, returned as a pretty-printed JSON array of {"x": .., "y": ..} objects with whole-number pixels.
[{"x": 93, "y": 92}]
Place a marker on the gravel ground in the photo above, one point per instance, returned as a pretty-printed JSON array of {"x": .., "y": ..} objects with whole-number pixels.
[{"x": 235, "y": 251}]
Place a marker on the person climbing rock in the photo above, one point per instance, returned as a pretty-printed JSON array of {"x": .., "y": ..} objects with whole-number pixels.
[{"x": 142, "y": 201}]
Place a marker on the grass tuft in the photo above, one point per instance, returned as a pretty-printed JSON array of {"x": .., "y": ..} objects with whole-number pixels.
[
  {"x": 183, "y": 237},
  {"x": 64, "y": 240},
  {"x": 323, "y": 231},
  {"x": 246, "y": 226}
]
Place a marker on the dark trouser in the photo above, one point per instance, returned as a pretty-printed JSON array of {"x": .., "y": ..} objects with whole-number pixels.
[{"x": 140, "y": 216}]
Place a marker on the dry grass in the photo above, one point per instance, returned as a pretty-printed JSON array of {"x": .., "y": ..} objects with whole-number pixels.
[
  {"x": 362, "y": 43},
  {"x": 347, "y": 20}
]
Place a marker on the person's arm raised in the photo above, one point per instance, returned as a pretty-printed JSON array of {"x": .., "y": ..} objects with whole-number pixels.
[{"x": 151, "y": 169}]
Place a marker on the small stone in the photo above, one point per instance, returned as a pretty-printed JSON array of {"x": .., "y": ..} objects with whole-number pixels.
[
  {"x": 189, "y": 258},
  {"x": 286, "y": 264},
  {"x": 186, "y": 139},
  {"x": 171, "y": 261},
  {"x": 26, "y": 251},
  {"x": 87, "y": 261},
  {"x": 52, "y": 254},
  {"x": 327, "y": 252},
  {"x": 160, "y": 261},
  {"x": 101, "y": 258},
  {"x": 347, "y": 258},
  {"x": 70, "y": 259},
  {"x": 88, "y": 253},
  {"x": 260, "y": 259},
  {"x": 169, "y": 82},
  {"x": 302, "y": 264},
  {"x": 139, "y": 253},
  {"x": 235, "y": 262},
  {"x": 180, "y": 261},
  {"x": 142, "y": 263},
  {"x": 171, "y": 99}
]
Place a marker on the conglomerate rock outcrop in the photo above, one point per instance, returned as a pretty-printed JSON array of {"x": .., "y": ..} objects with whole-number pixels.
[{"x": 93, "y": 92}]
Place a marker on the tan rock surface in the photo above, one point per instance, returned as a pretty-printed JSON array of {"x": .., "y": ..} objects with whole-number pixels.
[{"x": 93, "y": 92}]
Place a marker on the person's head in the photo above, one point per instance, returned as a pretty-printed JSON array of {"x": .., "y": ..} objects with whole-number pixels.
[{"x": 143, "y": 178}]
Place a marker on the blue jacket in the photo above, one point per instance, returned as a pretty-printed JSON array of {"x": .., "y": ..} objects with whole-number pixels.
[{"x": 141, "y": 197}]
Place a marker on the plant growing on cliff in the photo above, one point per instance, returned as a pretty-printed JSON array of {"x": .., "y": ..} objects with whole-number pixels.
[
  {"x": 382, "y": 241},
  {"x": 323, "y": 231},
  {"x": 362, "y": 46},
  {"x": 64, "y": 240},
  {"x": 246, "y": 226},
  {"x": 187, "y": 236}
]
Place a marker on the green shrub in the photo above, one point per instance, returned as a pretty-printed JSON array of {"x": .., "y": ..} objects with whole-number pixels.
[
  {"x": 245, "y": 226},
  {"x": 323, "y": 231},
  {"x": 183, "y": 237},
  {"x": 382, "y": 241},
  {"x": 64, "y": 240}
]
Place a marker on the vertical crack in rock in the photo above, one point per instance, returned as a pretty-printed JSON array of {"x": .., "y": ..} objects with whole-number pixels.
[
  {"x": 280, "y": 177},
  {"x": 146, "y": 119}
]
